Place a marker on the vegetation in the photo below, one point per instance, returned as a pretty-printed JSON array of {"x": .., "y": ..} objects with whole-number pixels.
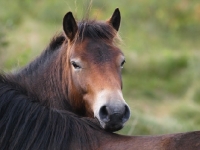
[{"x": 160, "y": 42}]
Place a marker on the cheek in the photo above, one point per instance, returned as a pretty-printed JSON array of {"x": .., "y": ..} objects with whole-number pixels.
[
  {"x": 89, "y": 99},
  {"x": 79, "y": 81},
  {"x": 89, "y": 89}
]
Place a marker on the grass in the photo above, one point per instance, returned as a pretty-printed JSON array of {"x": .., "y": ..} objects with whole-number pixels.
[{"x": 160, "y": 41}]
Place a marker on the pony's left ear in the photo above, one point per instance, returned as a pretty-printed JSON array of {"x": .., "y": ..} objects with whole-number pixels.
[
  {"x": 70, "y": 26},
  {"x": 115, "y": 19}
]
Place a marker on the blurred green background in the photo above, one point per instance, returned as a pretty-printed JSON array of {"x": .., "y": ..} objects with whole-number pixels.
[{"x": 161, "y": 42}]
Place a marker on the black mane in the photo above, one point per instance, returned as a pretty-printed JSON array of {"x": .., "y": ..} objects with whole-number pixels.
[
  {"x": 95, "y": 30},
  {"x": 56, "y": 42},
  {"x": 25, "y": 124}
]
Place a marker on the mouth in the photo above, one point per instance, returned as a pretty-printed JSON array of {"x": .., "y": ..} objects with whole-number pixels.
[
  {"x": 110, "y": 126},
  {"x": 113, "y": 128}
]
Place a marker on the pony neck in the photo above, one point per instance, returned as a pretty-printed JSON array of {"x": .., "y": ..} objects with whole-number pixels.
[{"x": 42, "y": 78}]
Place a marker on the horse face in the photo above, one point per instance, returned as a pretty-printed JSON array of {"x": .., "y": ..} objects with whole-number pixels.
[{"x": 95, "y": 71}]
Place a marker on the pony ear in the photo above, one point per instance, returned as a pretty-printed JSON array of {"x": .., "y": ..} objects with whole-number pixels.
[
  {"x": 69, "y": 26},
  {"x": 115, "y": 19}
]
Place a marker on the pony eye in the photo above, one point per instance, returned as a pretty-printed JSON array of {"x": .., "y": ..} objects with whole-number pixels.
[
  {"x": 75, "y": 65},
  {"x": 122, "y": 64}
]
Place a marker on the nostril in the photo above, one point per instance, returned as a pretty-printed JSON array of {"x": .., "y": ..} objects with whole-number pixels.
[
  {"x": 104, "y": 114},
  {"x": 126, "y": 114}
]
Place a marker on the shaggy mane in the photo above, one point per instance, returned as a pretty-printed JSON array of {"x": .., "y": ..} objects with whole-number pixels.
[
  {"x": 95, "y": 30},
  {"x": 25, "y": 124}
]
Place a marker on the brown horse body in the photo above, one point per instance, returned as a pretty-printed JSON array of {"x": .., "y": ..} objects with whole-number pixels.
[
  {"x": 25, "y": 124},
  {"x": 179, "y": 141}
]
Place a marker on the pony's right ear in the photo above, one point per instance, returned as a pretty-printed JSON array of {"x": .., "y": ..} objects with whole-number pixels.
[{"x": 70, "y": 26}]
